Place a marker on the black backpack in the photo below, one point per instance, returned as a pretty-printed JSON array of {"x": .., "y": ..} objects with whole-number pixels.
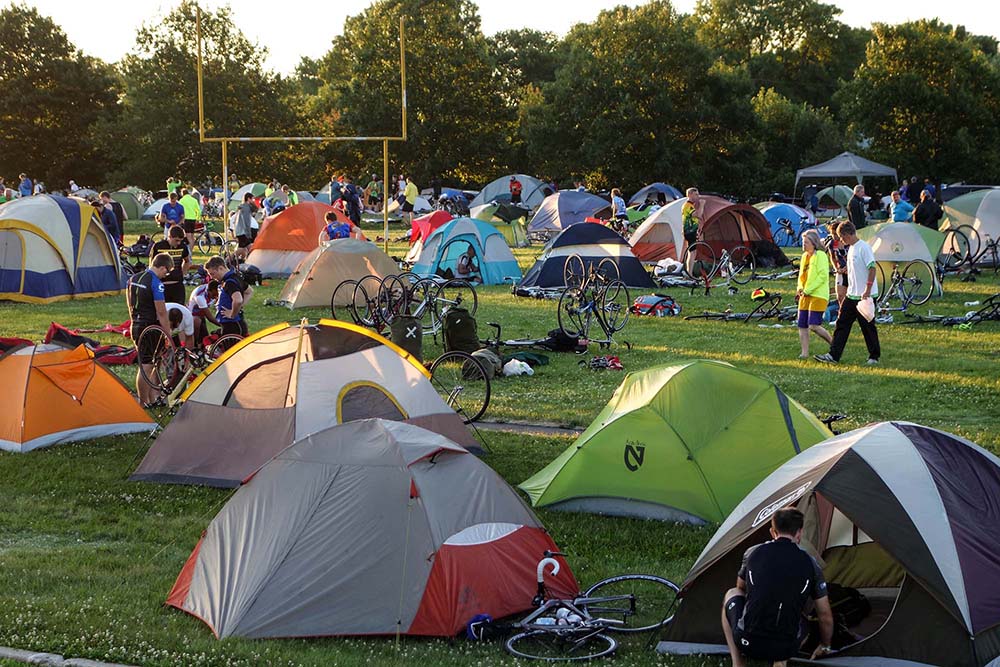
[
  {"x": 557, "y": 341},
  {"x": 408, "y": 333},
  {"x": 460, "y": 331},
  {"x": 782, "y": 577}
]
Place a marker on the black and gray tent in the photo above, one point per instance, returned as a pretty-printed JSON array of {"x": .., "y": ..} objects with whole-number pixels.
[
  {"x": 592, "y": 242},
  {"x": 908, "y": 515}
]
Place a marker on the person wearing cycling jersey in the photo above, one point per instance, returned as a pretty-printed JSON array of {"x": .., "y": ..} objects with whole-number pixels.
[
  {"x": 146, "y": 305},
  {"x": 181, "y": 324},
  {"x": 175, "y": 246},
  {"x": 233, "y": 295},
  {"x": 515, "y": 190},
  {"x": 762, "y": 617},
  {"x": 203, "y": 298},
  {"x": 334, "y": 229},
  {"x": 691, "y": 214},
  {"x": 192, "y": 213}
]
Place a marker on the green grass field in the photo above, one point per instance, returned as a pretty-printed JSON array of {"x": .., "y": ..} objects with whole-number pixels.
[{"x": 87, "y": 558}]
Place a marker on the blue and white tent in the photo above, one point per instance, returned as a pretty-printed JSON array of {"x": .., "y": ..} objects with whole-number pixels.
[
  {"x": 592, "y": 242},
  {"x": 775, "y": 211},
  {"x": 564, "y": 209},
  {"x": 494, "y": 261},
  {"x": 55, "y": 248},
  {"x": 653, "y": 192}
]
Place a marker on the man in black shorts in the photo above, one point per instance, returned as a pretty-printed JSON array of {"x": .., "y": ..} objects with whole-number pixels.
[
  {"x": 146, "y": 306},
  {"x": 762, "y": 617},
  {"x": 175, "y": 246}
]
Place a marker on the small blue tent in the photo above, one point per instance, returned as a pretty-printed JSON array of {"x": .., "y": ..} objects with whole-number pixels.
[
  {"x": 653, "y": 191},
  {"x": 494, "y": 262},
  {"x": 592, "y": 242},
  {"x": 775, "y": 211},
  {"x": 565, "y": 208}
]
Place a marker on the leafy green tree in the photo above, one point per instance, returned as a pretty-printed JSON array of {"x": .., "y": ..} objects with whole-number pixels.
[
  {"x": 793, "y": 135},
  {"x": 455, "y": 116},
  {"x": 927, "y": 98},
  {"x": 638, "y": 98},
  {"x": 159, "y": 119},
  {"x": 52, "y": 94},
  {"x": 524, "y": 57}
]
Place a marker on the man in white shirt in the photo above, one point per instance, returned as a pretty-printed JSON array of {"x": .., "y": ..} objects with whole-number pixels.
[
  {"x": 860, "y": 285},
  {"x": 181, "y": 323}
]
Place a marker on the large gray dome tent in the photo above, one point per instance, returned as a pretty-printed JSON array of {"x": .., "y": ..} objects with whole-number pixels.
[
  {"x": 533, "y": 191},
  {"x": 564, "y": 209},
  {"x": 907, "y": 514}
]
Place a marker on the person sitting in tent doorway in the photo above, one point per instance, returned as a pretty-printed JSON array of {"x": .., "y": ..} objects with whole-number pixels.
[
  {"x": 334, "y": 229},
  {"x": 146, "y": 303},
  {"x": 762, "y": 617},
  {"x": 467, "y": 268},
  {"x": 691, "y": 214}
]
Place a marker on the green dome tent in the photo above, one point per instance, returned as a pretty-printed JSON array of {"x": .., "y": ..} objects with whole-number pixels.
[
  {"x": 834, "y": 200},
  {"x": 679, "y": 443},
  {"x": 129, "y": 202}
]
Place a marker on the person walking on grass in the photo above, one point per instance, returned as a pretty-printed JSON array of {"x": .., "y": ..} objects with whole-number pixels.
[
  {"x": 856, "y": 207},
  {"x": 813, "y": 290},
  {"x": 860, "y": 285}
]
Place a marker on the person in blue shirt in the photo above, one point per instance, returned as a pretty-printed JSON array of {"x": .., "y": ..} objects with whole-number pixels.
[
  {"x": 618, "y": 210},
  {"x": 334, "y": 229},
  {"x": 171, "y": 214},
  {"x": 929, "y": 187},
  {"x": 233, "y": 296},
  {"x": 108, "y": 219},
  {"x": 900, "y": 210},
  {"x": 25, "y": 187},
  {"x": 146, "y": 302}
]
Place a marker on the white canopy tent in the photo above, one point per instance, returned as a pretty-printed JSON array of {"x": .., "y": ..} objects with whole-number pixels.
[{"x": 845, "y": 164}]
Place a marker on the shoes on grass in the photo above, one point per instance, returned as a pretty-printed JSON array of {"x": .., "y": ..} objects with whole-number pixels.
[
  {"x": 872, "y": 362},
  {"x": 826, "y": 358}
]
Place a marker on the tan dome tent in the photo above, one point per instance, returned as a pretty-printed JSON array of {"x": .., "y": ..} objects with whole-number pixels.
[
  {"x": 369, "y": 528},
  {"x": 282, "y": 384},
  {"x": 907, "y": 515},
  {"x": 318, "y": 274}
]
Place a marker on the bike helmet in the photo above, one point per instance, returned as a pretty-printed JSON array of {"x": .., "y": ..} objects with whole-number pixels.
[{"x": 758, "y": 294}]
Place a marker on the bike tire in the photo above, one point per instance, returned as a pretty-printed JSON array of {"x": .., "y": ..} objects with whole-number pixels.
[
  {"x": 222, "y": 345},
  {"x": 560, "y": 646},
  {"x": 955, "y": 251},
  {"x": 462, "y": 383},
  {"x": 881, "y": 281},
  {"x": 166, "y": 368},
  {"x": 742, "y": 265},
  {"x": 975, "y": 242},
  {"x": 393, "y": 298},
  {"x": 615, "y": 306},
  {"x": 783, "y": 239},
  {"x": 918, "y": 282},
  {"x": 211, "y": 243},
  {"x": 422, "y": 297},
  {"x": 654, "y": 601},
  {"x": 574, "y": 272},
  {"x": 699, "y": 262},
  {"x": 608, "y": 269},
  {"x": 342, "y": 302},
  {"x": 571, "y": 321},
  {"x": 456, "y": 292},
  {"x": 366, "y": 301}
]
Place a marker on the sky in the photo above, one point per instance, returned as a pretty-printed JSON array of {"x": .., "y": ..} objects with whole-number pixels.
[{"x": 289, "y": 39}]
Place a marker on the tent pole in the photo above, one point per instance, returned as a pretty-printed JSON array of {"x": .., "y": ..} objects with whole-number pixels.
[
  {"x": 385, "y": 196},
  {"x": 225, "y": 190}
]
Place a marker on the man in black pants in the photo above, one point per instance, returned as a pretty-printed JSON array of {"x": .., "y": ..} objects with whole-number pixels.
[
  {"x": 175, "y": 246},
  {"x": 860, "y": 285},
  {"x": 762, "y": 616},
  {"x": 856, "y": 207}
]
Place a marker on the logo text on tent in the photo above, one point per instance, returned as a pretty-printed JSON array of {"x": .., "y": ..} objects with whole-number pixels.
[
  {"x": 634, "y": 455},
  {"x": 784, "y": 501}
]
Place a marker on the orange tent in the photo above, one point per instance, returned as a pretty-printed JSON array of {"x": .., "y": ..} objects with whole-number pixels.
[
  {"x": 287, "y": 237},
  {"x": 53, "y": 394}
]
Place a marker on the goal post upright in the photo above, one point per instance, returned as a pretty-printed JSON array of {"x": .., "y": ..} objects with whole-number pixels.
[{"x": 203, "y": 138}]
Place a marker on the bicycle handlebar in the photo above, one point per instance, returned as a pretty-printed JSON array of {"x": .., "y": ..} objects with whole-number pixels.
[{"x": 540, "y": 571}]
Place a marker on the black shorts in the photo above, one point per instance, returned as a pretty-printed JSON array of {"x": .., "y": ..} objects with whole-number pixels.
[
  {"x": 407, "y": 207},
  {"x": 174, "y": 293},
  {"x": 244, "y": 241},
  {"x": 235, "y": 328},
  {"x": 149, "y": 346},
  {"x": 515, "y": 199},
  {"x": 189, "y": 226},
  {"x": 758, "y": 648}
]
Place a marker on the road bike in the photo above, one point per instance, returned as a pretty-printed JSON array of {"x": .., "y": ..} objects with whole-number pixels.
[
  {"x": 911, "y": 286},
  {"x": 788, "y": 235},
  {"x": 768, "y": 307},
  {"x": 173, "y": 366},
  {"x": 593, "y": 293},
  {"x": 735, "y": 265}
]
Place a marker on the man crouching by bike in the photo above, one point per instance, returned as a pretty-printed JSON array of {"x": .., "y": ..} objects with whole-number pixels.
[
  {"x": 233, "y": 295},
  {"x": 762, "y": 617}
]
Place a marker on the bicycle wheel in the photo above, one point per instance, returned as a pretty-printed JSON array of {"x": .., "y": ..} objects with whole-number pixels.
[
  {"x": 975, "y": 241},
  {"x": 342, "y": 302},
  {"x": 643, "y": 601},
  {"x": 614, "y": 306},
  {"x": 463, "y": 384},
  {"x": 954, "y": 251},
  {"x": 918, "y": 282},
  {"x": 574, "y": 272},
  {"x": 165, "y": 367},
  {"x": 560, "y": 645},
  {"x": 883, "y": 284},
  {"x": 699, "y": 261},
  {"x": 393, "y": 297},
  {"x": 422, "y": 298},
  {"x": 572, "y": 322},
  {"x": 222, "y": 345},
  {"x": 608, "y": 270},
  {"x": 742, "y": 265},
  {"x": 783, "y": 238},
  {"x": 211, "y": 243},
  {"x": 456, "y": 293},
  {"x": 764, "y": 309},
  {"x": 366, "y": 301}
]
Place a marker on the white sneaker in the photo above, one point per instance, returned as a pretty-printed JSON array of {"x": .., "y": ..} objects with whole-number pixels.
[
  {"x": 826, "y": 358},
  {"x": 872, "y": 362}
]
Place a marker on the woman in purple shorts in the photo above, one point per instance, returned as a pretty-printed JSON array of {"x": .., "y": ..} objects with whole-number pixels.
[{"x": 813, "y": 291}]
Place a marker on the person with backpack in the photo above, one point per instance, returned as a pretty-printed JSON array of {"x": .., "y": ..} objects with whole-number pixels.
[
  {"x": 334, "y": 229},
  {"x": 762, "y": 618}
]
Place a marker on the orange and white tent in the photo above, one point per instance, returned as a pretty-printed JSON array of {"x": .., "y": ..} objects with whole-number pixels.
[
  {"x": 53, "y": 394},
  {"x": 287, "y": 237}
]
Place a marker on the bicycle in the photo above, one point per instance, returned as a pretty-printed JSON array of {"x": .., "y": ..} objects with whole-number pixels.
[
  {"x": 374, "y": 302},
  {"x": 769, "y": 307},
  {"x": 172, "y": 365},
  {"x": 462, "y": 382},
  {"x": 736, "y": 265},
  {"x": 570, "y": 630},
  {"x": 912, "y": 286},
  {"x": 988, "y": 311},
  {"x": 592, "y": 293},
  {"x": 831, "y": 420},
  {"x": 208, "y": 241},
  {"x": 787, "y": 235}
]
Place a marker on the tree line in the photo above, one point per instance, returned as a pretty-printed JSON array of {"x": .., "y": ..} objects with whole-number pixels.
[{"x": 733, "y": 97}]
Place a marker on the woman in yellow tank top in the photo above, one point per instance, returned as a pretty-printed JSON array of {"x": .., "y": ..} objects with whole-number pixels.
[{"x": 813, "y": 290}]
